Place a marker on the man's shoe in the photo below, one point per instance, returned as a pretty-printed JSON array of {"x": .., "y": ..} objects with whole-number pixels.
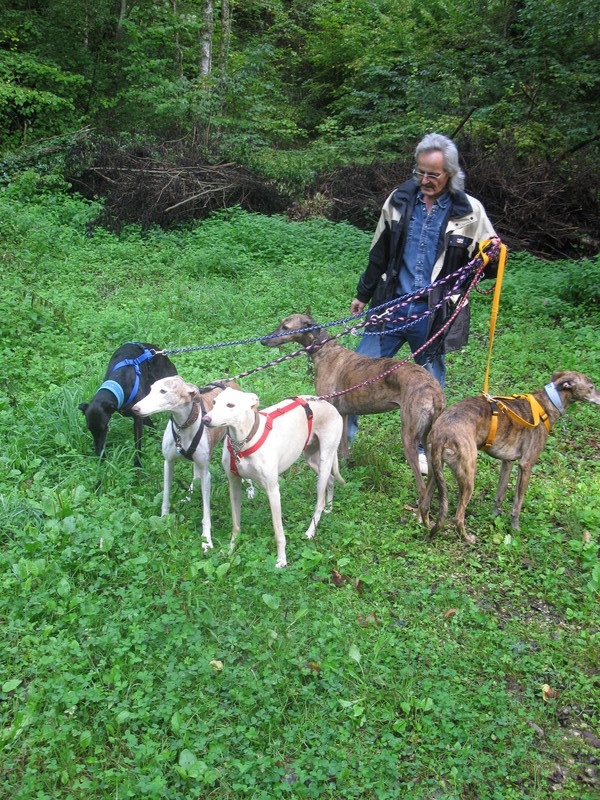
[{"x": 423, "y": 466}]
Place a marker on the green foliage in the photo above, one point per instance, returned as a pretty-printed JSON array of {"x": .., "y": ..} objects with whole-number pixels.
[
  {"x": 329, "y": 80},
  {"x": 134, "y": 665},
  {"x": 37, "y": 96},
  {"x": 579, "y": 282}
]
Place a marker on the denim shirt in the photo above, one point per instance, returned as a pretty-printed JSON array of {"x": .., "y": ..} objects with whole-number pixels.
[{"x": 420, "y": 249}]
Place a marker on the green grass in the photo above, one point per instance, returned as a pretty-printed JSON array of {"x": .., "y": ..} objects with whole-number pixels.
[{"x": 420, "y": 676}]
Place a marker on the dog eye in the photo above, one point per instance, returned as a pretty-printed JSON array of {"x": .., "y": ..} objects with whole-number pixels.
[
  {"x": 163, "y": 391},
  {"x": 230, "y": 405}
]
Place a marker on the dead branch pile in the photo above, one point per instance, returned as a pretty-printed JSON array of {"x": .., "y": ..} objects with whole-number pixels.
[
  {"x": 550, "y": 210},
  {"x": 142, "y": 187}
]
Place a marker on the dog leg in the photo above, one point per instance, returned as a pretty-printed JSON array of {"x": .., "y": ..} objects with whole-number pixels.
[
  {"x": 523, "y": 476},
  {"x": 505, "y": 471},
  {"x": 462, "y": 460},
  {"x": 410, "y": 441},
  {"x": 344, "y": 447},
  {"x": 312, "y": 458},
  {"x": 323, "y": 470},
  {"x": 138, "y": 427},
  {"x": 425, "y": 503},
  {"x": 465, "y": 477},
  {"x": 202, "y": 472},
  {"x": 274, "y": 496},
  {"x": 319, "y": 508},
  {"x": 235, "y": 498},
  {"x": 167, "y": 483}
]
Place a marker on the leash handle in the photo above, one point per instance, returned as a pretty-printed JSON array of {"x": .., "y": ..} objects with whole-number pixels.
[{"x": 495, "y": 305}]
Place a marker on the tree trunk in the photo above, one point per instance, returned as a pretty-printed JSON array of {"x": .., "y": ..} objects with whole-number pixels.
[
  {"x": 206, "y": 41},
  {"x": 122, "y": 16},
  {"x": 226, "y": 13}
]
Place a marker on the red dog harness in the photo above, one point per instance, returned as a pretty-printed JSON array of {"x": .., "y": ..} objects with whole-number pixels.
[{"x": 234, "y": 456}]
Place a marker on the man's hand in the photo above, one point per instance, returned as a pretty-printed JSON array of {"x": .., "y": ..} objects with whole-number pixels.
[{"x": 356, "y": 306}]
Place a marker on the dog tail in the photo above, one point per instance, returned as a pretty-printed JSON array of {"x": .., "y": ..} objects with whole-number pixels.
[
  {"x": 335, "y": 469},
  {"x": 436, "y": 465}
]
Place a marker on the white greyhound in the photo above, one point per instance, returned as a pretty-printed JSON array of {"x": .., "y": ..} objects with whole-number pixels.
[
  {"x": 185, "y": 435},
  {"x": 262, "y": 445}
]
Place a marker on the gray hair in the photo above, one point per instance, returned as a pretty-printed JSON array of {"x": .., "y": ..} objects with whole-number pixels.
[{"x": 435, "y": 141}]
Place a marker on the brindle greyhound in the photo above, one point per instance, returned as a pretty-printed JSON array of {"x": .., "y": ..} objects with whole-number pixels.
[
  {"x": 464, "y": 427},
  {"x": 185, "y": 435},
  {"x": 409, "y": 388}
]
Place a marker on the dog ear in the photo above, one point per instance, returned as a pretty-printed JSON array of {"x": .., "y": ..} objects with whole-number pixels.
[
  {"x": 564, "y": 384},
  {"x": 253, "y": 401},
  {"x": 83, "y": 407},
  {"x": 191, "y": 388}
]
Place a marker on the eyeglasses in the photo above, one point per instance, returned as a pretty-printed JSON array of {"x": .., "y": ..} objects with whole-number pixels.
[{"x": 431, "y": 175}]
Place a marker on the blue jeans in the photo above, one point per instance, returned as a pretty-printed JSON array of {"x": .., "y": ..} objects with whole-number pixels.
[{"x": 389, "y": 344}]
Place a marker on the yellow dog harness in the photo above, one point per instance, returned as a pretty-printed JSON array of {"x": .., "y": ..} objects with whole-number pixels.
[{"x": 537, "y": 412}]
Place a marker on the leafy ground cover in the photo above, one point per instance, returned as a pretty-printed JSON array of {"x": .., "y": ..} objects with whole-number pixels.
[{"x": 380, "y": 663}]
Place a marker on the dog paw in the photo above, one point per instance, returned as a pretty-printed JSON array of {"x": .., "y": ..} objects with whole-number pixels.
[
  {"x": 279, "y": 564},
  {"x": 469, "y": 538},
  {"x": 207, "y": 545},
  {"x": 328, "y": 508}
]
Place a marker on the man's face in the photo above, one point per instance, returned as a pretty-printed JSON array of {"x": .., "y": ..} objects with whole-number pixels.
[{"x": 432, "y": 163}]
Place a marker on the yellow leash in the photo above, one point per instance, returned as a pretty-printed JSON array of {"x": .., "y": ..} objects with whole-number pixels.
[
  {"x": 495, "y": 304},
  {"x": 537, "y": 411}
]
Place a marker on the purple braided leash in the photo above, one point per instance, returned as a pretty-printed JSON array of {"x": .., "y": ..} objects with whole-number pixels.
[
  {"x": 459, "y": 307},
  {"x": 391, "y": 305},
  {"x": 478, "y": 264}
]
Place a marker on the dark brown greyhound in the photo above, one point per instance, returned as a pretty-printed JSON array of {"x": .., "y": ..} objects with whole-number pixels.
[
  {"x": 464, "y": 427},
  {"x": 409, "y": 388}
]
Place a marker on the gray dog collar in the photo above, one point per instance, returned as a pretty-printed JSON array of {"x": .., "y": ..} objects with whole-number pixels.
[{"x": 554, "y": 397}]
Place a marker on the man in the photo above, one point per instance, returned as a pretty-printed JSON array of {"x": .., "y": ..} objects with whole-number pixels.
[{"x": 428, "y": 228}]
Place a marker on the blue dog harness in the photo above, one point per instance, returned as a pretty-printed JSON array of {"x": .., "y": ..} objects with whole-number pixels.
[{"x": 116, "y": 388}]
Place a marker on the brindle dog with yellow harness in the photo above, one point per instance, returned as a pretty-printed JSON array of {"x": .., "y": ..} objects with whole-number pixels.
[{"x": 502, "y": 428}]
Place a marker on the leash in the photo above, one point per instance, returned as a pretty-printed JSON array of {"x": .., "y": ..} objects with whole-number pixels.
[
  {"x": 235, "y": 455},
  {"x": 495, "y": 306},
  {"x": 460, "y": 305},
  {"x": 116, "y": 388},
  {"x": 538, "y": 414},
  {"x": 390, "y": 305}
]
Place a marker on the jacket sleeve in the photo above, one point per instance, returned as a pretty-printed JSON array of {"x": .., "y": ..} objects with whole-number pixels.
[
  {"x": 379, "y": 255},
  {"x": 485, "y": 230}
]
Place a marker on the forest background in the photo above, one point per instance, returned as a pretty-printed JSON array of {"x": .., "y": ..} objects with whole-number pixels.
[{"x": 311, "y": 108}]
